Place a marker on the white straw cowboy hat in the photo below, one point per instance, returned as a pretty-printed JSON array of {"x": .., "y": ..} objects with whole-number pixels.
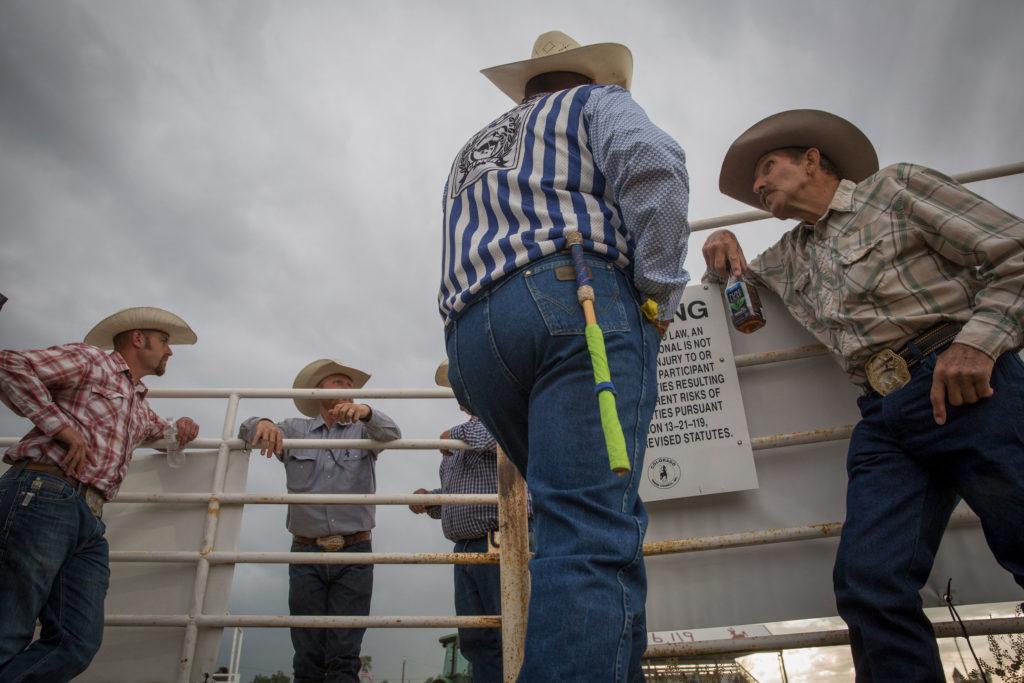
[
  {"x": 140, "y": 318},
  {"x": 836, "y": 138},
  {"x": 603, "y": 63},
  {"x": 441, "y": 375},
  {"x": 315, "y": 372}
]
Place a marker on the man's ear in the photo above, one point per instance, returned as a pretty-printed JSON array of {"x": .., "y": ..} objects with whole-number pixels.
[
  {"x": 138, "y": 339},
  {"x": 812, "y": 159}
]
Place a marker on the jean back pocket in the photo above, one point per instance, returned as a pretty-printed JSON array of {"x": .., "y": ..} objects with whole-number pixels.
[{"x": 555, "y": 296}]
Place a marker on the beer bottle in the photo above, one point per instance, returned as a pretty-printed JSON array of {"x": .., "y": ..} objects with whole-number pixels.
[{"x": 744, "y": 305}]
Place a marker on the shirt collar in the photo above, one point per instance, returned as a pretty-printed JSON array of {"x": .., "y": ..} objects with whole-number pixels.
[
  {"x": 842, "y": 202},
  {"x": 121, "y": 368}
]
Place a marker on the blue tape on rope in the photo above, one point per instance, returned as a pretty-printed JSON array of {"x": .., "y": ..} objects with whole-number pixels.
[
  {"x": 602, "y": 386},
  {"x": 583, "y": 277}
]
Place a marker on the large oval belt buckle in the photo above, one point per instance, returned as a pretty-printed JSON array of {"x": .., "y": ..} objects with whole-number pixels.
[
  {"x": 331, "y": 544},
  {"x": 887, "y": 372}
]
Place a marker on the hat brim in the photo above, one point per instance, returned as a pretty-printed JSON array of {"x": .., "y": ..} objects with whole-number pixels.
[
  {"x": 603, "y": 63},
  {"x": 140, "y": 318},
  {"x": 441, "y": 375},
  {"x": 314, "y": 373},
  {"x": 836, "y": 138}
]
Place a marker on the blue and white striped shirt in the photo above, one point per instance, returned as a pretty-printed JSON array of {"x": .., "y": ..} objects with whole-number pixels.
[{"x": 585, "y": 159}]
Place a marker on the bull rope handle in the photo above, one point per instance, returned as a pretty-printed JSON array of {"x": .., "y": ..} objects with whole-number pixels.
[{"x": 615, "y": 441}]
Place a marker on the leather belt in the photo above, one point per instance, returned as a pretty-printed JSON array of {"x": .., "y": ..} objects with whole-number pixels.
[
  {"x": 336, "y": 542},
  {"x": 93, "y": 498},
  {"x": 889, "y": 370}
]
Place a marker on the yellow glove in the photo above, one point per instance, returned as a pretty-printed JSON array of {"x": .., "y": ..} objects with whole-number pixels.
[{"x": 650, "y": 310}]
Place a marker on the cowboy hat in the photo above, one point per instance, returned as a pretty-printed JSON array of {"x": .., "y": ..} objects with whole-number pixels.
[
  {"x": 836, "y": 138},
  {"x": 140, "y": 318},
  {"x": 441, "y": 375},
  {"x": 603, "y": 63},
  {"x": 314, "y": 373}
]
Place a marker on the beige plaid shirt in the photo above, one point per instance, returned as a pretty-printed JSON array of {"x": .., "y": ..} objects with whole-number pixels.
[{"x": 896, "y": 254}]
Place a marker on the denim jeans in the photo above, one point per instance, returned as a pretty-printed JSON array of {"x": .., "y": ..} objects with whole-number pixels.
[
  {"x": 322, "y": 654},
  {"x": 518, "y": 361},
  {"x": 478, "y": 591},
  {"x": 54, "y": 568},
  {"x": 905, "y": 477}
]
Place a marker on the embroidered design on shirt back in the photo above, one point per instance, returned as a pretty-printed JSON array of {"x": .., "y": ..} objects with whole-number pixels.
[{"x": 496, "y": 147}]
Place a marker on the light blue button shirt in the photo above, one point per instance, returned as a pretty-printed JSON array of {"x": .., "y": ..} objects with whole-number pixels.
[{"x": 330, "y": 470}]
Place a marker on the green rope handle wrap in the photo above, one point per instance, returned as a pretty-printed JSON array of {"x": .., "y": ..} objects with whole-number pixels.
[{"x": 613, "y": 437}]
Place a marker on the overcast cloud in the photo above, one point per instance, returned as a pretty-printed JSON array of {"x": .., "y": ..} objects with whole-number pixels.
[{"x": 272, "y": 172}]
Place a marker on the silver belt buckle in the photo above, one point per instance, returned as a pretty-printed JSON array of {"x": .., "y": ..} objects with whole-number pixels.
[
  {"x": 887, "y": 372},
  {"x": 331, "y": 543},
  {"x": 94, "y": 500}
]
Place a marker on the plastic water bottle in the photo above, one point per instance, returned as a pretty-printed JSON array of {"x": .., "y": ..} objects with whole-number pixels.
[{"x": 175, "y": 456}]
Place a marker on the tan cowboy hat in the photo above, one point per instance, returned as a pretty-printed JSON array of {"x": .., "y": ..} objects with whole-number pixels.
[
  {"x": 603, "y": 63},
  {"x": 441, "y": 375},
  {"x": 842, "y": 142},
  {"x": 140, "y": 318},
  {"x": 314, "y": 373}
]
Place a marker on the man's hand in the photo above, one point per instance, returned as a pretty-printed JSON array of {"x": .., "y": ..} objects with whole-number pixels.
[
  {"x": 268, "y": 438},
  {"x": 419, "y": 509},
  {"x": 446, "y": 434},
  {"x": 187, "y": 430},
  {"x": 962, "y": 375},
  {"x": 723, "y": 255},
  {"x": 78, "y": 449},
  {"x": 350, "y": 412}
]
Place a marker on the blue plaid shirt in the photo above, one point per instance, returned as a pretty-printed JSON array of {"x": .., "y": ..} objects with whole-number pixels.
[{"x": 471, "y": 471}]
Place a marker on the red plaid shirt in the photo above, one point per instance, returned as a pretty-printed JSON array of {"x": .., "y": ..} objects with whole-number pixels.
[{"x": 78, "y": 386}]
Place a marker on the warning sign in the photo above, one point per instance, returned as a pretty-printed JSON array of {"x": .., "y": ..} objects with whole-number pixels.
[{"x": 698, "y": 442}]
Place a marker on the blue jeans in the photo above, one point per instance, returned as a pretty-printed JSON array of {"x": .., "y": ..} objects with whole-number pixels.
[
  {"x": 478, "y": 591},
  {"x": 54, "y": 568},
  {"x": 905, "y": 476},
  {"x": 328, "y": 655},
  {"x": 518, "y": 361}
]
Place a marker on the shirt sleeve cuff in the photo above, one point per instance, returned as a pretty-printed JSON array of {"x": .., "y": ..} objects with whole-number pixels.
[
  {"x": 667, "y": 305},
  {"x": 50, "y": 420},
  {"x": 711, "y": 279},
  {"x": 245, "y": 431},
  {"x": 993, "y": 335}
]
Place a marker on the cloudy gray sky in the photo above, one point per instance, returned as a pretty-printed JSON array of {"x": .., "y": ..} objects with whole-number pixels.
[{"x": 272, "y": 172}]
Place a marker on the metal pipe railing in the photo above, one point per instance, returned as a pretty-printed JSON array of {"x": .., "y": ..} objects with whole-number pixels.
[
  {"x": 201, "y": 581},
  {"x": 257, "y": 392},
  {"x": 287, "y": 621},
  {"x": 745, "y": 539},
  {"x": 751, "y": 216},
  {"x": 311, "y": 498},
  {"x": 515, "y": 560},
  {"x": 748, "y": 360},
  {"x": 277, "y": 557},
  {"x": 792, "y": 641},
  {"x": 761, "y": 443}
]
